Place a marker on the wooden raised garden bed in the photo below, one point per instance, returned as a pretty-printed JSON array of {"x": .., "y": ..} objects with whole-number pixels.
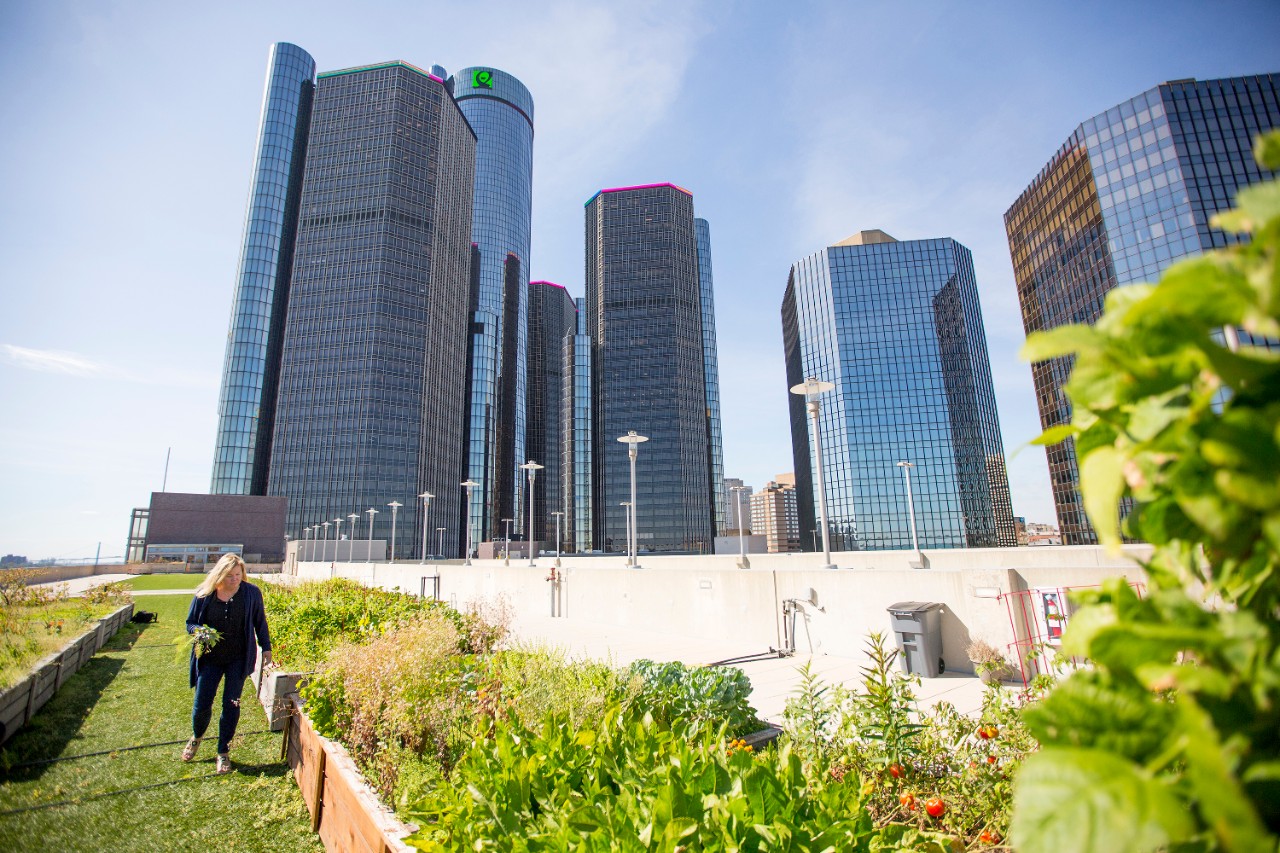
[
  {"x": 19, "y": 703},
  {"x": 345, "y": 811}
]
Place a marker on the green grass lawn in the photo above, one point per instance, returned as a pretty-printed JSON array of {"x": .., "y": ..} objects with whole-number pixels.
[
  {"x": 165, "y": 581},
  {"x": 133, "y": 692},
  {"x": 172, "y": 581}
]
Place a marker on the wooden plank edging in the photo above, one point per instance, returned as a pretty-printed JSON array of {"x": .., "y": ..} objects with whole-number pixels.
[
  {"x": 21, "y": 702},
  {"x": 345, "y": 811}
]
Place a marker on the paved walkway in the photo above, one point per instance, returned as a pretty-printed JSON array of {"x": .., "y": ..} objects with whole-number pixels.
[{"x": 774, "y": 679}]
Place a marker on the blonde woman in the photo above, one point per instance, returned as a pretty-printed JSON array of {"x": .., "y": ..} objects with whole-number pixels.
[{"x": 228, "y": 603}]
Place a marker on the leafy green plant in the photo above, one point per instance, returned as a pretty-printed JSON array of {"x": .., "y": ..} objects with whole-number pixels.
[
  {"x": 697, "y": 697},
  {"x": 632, "y": 784},
  {"x": 1172, "y": 738},
  {"x": 310, "y": 619}
]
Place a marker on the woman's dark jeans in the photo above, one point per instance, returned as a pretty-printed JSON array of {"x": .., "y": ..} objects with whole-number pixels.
[{"x": 208, "y": 674}]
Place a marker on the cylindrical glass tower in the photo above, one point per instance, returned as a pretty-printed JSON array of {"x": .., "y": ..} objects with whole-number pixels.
[
  {"x": 500, "y": 110},
  {"x": 250, "y": 371}
]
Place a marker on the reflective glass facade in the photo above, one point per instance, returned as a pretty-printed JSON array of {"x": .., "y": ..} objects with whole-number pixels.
[
  {"x": 711, "y": 367},
  {"x": 552, "y": 317},
  {"x": 1130, "y": 192},
  {"x": 251, "y": 368},
  {"x": 576, "y": 437},
  {"x": 644, "y": 309},
  {"x": 898, "y": 328},
  {"x": 500, "y": 110},
  {"x": 372, "y": 386}
]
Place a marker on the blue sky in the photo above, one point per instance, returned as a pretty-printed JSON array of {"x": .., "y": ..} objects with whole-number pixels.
[{"x": 127, "y": 133}]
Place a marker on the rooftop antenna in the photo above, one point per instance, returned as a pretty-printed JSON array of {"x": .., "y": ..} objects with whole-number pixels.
[{"x": 165, "y": 482}]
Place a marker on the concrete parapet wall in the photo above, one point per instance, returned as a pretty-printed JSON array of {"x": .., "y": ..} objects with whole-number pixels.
[{"x": 708, "y": 597}]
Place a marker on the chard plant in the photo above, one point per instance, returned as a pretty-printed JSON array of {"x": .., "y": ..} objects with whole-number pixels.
[{"x": 1171, "y": 738}]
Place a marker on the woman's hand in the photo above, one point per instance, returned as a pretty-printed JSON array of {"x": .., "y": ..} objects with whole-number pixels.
[{"x": 266, "y": 659}]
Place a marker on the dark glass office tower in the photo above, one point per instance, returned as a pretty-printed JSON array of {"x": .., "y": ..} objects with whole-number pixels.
[
  {"x": 251, "y": 369},
  {"x": 644, "y": 309},
  {"x": 1130, "y": 192},
  {"x": 898, "y": 329},
  {"x": 372, "y": 387},
  {"x": 500, "y": 110},
  {"x": 576, "y": 436},
  {"x": 711, "y": 368},
  {"x": 552, "y": 317}
]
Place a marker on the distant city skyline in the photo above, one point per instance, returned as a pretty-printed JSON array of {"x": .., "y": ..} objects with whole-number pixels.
[{"x": 123, "y": 216}]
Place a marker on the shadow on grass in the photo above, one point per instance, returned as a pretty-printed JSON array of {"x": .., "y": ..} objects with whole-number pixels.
[{"x": 59, "y": 721}]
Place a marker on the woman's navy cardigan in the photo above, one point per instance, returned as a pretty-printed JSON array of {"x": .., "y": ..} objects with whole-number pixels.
[{"x": 255, "y": 622}]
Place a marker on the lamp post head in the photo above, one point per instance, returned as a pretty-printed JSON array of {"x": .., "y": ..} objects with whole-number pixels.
[
  {"x": 353, "y": 516},
  {"x": 371, "y": 512},
  {"x": 812, "y": 387},
  {"x": 531, "y": 466},
  {"x": 395, "y": 505},
  {"x": 426, "y": 496},
  {"x": 906, "y": 465},
  {"x": 325, "y": 526},
  {"x": 469, "y": 484},
  {"x": 633, "y": 438},
  {"x": 338, "y": 521},
  {"x": 557, "y": 513}
]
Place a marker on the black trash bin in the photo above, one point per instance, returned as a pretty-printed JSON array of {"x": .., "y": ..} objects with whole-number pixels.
[{"x": 917, "y": 626}]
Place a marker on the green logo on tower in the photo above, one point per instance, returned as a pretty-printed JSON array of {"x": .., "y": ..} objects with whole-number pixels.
[{"x": 481, "y": 79}]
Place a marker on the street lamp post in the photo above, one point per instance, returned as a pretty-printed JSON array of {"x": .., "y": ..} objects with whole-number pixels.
[
  {"x": 440, "y": 551},
  {"x": 911, "y": 506},
  {"x": 306, "y": 543},
  {"x": 626, "y": 508},
  {"x": 337, "y": 537},
  {"x": 743, "y": 562},
  {"x": 533, "y": 468},
  {"x": 351, "y": 539},
  {"x": 324, "y": 549},
  {"x": 633, "y": 442},
  {"x": 368, "y": 554},
  {"x": 557, "y": 514},
  {"x": 506, "y": 541},
  {"x": 468, "y": 485},
  {"x": 395, "y": 507},
  {"x": 810, "y": 389},
  {"x": 426, "y": 541}
]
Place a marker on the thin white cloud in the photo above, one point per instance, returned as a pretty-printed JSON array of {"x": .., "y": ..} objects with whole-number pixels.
[
  {"x": 52, "y": 361},
  {"x": 74, "y": 364}
]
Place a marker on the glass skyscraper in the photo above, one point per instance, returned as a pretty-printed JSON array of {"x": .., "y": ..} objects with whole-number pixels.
[
  {"x": 1130, "y": 192},
  {"x": 896, "y": 326},
  {"x": 372, "y": 398},
  {"x": 711, "y": 368},
  {"x": 576, "y": 438},
  {"x": 649, "y": 368},
  {"x": 251, "y": 368},
  {"x": 553, "y": 316},
  {"x": 500, "y": 111}
]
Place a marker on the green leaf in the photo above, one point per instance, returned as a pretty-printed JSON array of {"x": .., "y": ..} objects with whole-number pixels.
[
  {"x": 1222, "y": 801},
  {"x": 1068, "y": 800},
  {"x": 1054, "y": 343},
  {"x": 1101, "y": 484},
  {"x": 1055, "y": 435},
  {"x": 1266, "y": 150},
  {"x": 1260, "y": 202},
  {"x": 1087, "y": 710}
]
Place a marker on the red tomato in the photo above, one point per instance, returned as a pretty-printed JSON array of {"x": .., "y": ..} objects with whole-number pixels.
[
  {"x": 908, "y": 801},
  {"x": 895, "y": 770},
  {"x": 934, "y": 807}
]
